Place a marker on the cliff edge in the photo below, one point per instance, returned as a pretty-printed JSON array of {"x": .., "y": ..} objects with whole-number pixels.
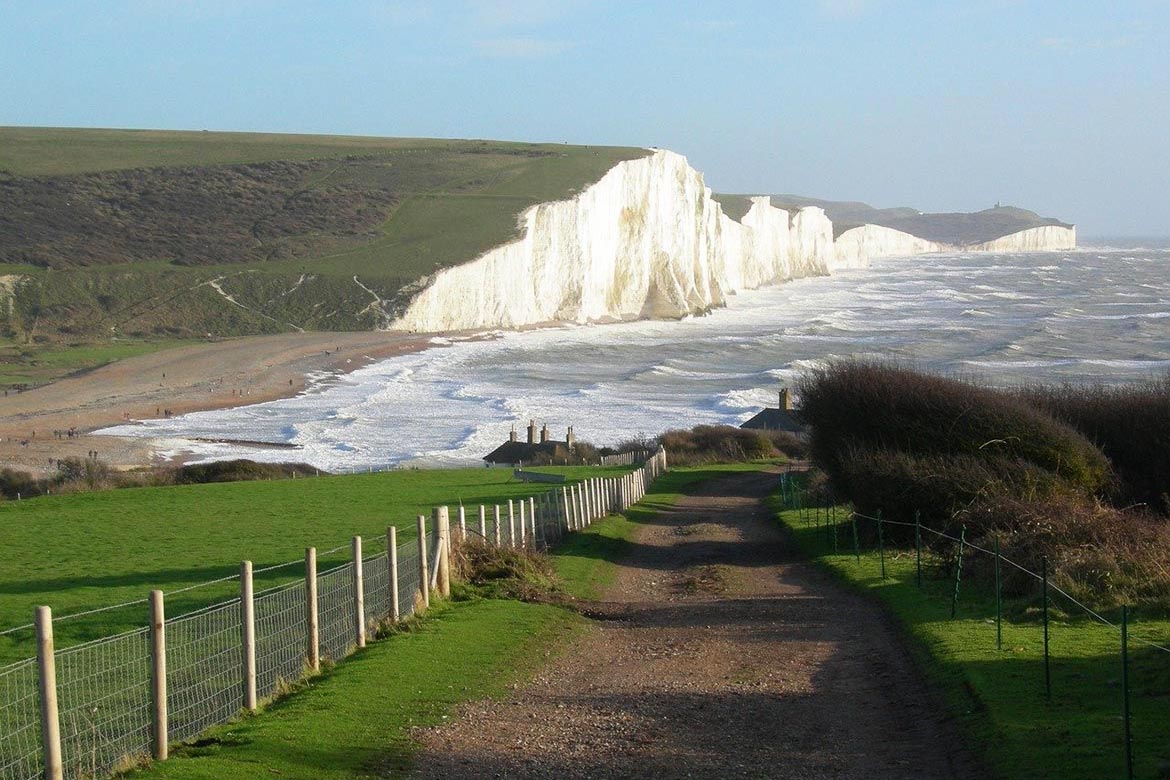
[{"x": 649, "y": 240}]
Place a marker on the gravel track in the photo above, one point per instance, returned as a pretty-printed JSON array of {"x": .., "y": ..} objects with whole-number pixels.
[{"x": 718, "y": 653}]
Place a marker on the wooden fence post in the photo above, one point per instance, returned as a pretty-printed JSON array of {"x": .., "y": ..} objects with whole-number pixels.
[
  {"x": 47, "y": 675},
  {"x": 462, "y": 524},
  {"x": 158, "y": 676},
  {"x": 442, "y": 522},
  {"x": 483, "y": 523},
  {"x": 312, "y": 633},
  {"x": 511, "y": 524},
  {"x": 392, "y": 555},
  {"x": 248, "y": 635},
  {"x": 523, "y": 522},
  {"x": 424, "y": 584},
  {"x": 566, "y": 519},
  {"x": 532, "y": 518},
  {"x": 359, "y": 594},
  {"x": 496, "y": 524}
]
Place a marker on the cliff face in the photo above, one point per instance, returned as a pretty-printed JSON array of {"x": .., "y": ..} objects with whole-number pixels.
[
  {"x": 647, "y": 240},
  {"x": 1039, "y": 239},
  {"x": 855, "y": 246}
]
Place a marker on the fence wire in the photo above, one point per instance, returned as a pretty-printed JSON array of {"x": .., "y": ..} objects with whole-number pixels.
[
  {"x": 204, "y": 669},
  {"x": 20, "y": 722},
  {"x": 103, "y": 692},
  {"x": 280, "y": 638},
  {"x": 1092, "y": 613},
  {"x": 338, "y": 634}
]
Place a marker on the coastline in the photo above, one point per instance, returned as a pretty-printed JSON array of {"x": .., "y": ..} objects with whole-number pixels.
[{"x": 35, "y": 425}]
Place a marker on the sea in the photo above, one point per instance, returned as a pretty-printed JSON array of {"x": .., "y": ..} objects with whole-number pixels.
[{"x": 1098, "y": 314}]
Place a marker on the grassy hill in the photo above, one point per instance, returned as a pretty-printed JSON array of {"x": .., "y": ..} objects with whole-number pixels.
[
  {"x": 947, "y": 228},
  {"x": 144, "y": 235},
  {"x": 83, "y": 551}
]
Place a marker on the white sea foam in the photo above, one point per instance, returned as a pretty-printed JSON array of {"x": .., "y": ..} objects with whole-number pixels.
[{"x": 458, "y": 400}]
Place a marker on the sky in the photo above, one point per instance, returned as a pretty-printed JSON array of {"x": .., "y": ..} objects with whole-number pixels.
[{"x": 1061, "y": 107}]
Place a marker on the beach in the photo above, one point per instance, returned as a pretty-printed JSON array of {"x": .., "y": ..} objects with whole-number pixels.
[{"x": 55, "y": 421}]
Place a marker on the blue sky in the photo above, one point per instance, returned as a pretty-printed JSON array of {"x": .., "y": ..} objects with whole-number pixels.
[{"x": 1063, "y": 107}]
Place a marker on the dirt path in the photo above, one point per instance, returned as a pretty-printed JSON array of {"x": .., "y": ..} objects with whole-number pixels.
[{"x": 719, "y": 654}]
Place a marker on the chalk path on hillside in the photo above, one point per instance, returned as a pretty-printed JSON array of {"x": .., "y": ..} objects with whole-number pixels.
[{"x": 719, "y": 652}]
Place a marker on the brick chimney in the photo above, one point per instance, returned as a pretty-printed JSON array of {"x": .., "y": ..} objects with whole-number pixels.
[
  {"x": 785, "y": 399},
  {"x": 544, "y": 434},
  {"x": 570, "y": 439},
  {"x": 512, "y": 435},
  {"x": 532, "y": 431}
]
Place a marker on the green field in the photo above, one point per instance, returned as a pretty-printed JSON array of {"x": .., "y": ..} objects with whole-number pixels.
[
  {"x": 89, "y": 550},
  {"x": 22, "y": 365},
  {"x": 116, "y": 233},
  {"x": 999, "y": 695}
]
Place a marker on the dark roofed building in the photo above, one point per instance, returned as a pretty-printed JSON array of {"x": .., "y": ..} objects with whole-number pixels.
[
  {"x": 514, "y": 452},
  {"x": 783, "y": 418}
]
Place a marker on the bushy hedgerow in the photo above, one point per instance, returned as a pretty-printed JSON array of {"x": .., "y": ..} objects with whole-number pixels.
[
  {"x": 238, "y": 471},
  {"x": 890, "y": 436},
  {"x": 1131, "y": 425},
  {"x": 705, "y": 444}
]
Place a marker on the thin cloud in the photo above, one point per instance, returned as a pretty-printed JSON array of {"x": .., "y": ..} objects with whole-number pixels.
[
  {"x": 711, "y": 25},
  {"x": 844, "y": 9},
  {"x": 1090, "y": 44},
  {"x": 522, "y": 48},
  {"x": 518, "y": 13}
]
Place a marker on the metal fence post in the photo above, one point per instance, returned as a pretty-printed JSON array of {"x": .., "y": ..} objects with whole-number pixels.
[
  {"x": 248, "y": 635},
  {"x": 1125, "y": 691},
  {"x": 359, "y": 595},
  {"x": 392, "y": 554},
  {"x": 998, "y": 600},
  {"x": 423, "y": 575},
  {"x": 918, "y": 546},
  {"x": 1044, "y": 585},
  {"x": 312, "y": 633},
  {"x": 958, "y": 570},
  {"x": 158, "y": 676},
  {"x": 856, "y": 542}
]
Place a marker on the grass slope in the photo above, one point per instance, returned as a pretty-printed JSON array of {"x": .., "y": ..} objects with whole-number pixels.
[
  {"x": 119, "y": 233},
  {"x": 356, "y": 721},
  {"x": 88, "y": 550},
  {"x": 999, "y": 695}
]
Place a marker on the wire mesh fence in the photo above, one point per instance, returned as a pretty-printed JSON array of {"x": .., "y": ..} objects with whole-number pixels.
[
  {"x": 104, "y": 700},
  {"x": 204, "y": 658},
  {"x": 105, "y": 688},
  {"x": 20, "y": 722},
  {"x": 1079, "y": 659},
  {"x": 281, "y": 645}
]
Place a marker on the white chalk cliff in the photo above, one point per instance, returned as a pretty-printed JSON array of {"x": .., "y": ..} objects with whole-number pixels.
[
  {"x": 1047, "y": 238},
  {"x": 646, "y": 240},
  {"x": 856, "y": 246}
]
